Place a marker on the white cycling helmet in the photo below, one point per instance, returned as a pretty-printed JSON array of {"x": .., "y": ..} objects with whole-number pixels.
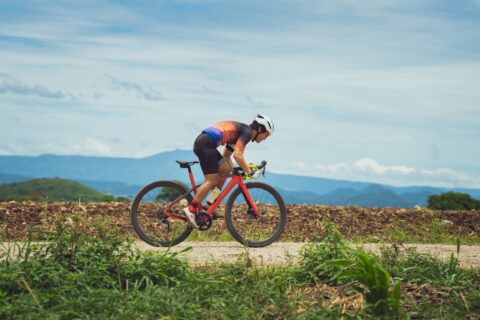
[{"x": 266, "y": 122}]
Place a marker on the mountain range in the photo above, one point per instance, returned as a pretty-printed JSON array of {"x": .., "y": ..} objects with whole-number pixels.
[{"x": 125, "y": 176}]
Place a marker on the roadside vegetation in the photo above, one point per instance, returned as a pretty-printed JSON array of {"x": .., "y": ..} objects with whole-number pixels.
[{"x": 99, "y": 275}]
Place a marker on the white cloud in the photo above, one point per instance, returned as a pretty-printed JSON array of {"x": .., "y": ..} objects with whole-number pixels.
[
  {"x": 448, "y": 177},
  {"x": 9, "y": 84},
  {"x": 88, "y": 147},
  {"x": 369, "y": 170},
  {"x": 140, "y": 91},
  {"x": 94, "y": 147},
  {"x": 370, "y": 165},
  {"x": 323, "y": 169},
  {"x": 4, "y": 152}
]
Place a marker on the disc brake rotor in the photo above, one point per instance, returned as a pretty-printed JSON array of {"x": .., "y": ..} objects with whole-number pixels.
[
  {"x": 252, "y": 216},
  {"x": 163, "y": 218}
]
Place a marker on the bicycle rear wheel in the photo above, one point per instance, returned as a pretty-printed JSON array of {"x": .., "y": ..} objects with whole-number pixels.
[
  {"x": 256, "y": 231},
  {"x": 149, "y": 220}
]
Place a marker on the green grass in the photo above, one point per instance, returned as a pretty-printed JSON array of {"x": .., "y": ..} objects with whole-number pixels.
[
  {"x": 210, "y": 236},
  {"x": 435, "y": 232},
  {"x": 77, "y": 276}
]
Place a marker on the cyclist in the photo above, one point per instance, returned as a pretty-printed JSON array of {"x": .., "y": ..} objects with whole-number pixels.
[{"x": 235, "y": 136}]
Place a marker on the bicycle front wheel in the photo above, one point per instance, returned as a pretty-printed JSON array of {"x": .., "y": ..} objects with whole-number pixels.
[
  {"x": 248, "y": 229},
  {"x": 148, "y": 217}
]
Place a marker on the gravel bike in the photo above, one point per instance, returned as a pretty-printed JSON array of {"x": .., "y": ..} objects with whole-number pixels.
[{"x": 255, "y": 213}]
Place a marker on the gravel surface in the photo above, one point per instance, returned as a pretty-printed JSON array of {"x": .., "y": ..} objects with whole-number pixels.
[
  {"x": 283, "y": 253},
  {"x": 280, "y": 253}
]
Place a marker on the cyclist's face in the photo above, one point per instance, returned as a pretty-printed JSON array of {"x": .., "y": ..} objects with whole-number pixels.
[{"x": 262, "y": 136}]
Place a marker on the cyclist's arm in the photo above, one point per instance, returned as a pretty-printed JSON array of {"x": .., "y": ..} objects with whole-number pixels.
[
  {"x": 242, "y": 141},
  {"x": 227, "y": 153},
  {"x": 238, "y": 156}
]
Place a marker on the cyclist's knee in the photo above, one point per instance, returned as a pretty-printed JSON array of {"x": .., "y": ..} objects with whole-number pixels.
[
  {"x": 212, "y": 179},
  {"x": 224, "y": 168}
]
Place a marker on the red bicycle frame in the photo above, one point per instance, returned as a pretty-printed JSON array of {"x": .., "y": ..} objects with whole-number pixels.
[{"x": 236, "y": 179}]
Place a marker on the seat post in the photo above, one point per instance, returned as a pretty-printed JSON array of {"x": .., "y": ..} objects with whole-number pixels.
[
  {"x": 192, "y": 179},
  {"x": 187, "y": 165}
]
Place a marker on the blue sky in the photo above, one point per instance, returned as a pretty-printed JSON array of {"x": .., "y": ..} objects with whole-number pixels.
[{"x": 381, "y": 91}]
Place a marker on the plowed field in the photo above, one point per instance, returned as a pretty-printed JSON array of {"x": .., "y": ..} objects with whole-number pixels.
[{"x": 304, "y": 221}]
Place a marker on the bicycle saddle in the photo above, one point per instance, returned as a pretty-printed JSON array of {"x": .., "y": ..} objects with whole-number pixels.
[{"x": 186, "y": 164}]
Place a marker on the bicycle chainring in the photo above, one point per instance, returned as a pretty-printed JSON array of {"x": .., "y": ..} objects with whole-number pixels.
[{"x": 204, "y": 221}]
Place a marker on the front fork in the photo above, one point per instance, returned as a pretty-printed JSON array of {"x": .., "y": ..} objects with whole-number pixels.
[{"x": 252, "y": 206}]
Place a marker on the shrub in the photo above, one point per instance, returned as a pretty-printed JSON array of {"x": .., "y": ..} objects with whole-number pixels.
[
  {"x": 314, "y": 266},
  {"x": 107, "y": 198},
  {"x": 122, "y": 199},
  {"x": 367, "y": 270},
  {"x": 334, "y": 263},
  {"x": 453, "y": 201}
]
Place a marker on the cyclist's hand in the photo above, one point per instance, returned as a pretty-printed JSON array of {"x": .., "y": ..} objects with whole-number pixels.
[{"x": 254, "y": 173}]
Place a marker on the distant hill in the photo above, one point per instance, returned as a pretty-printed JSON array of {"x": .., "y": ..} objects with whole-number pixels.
[
  {"x": 55, "y": 189},
  {"x": 127, "y": 170},
  {"x": 118, "y": 189},
  {"x": 125, "y": 176},
  {"x": 371, "y": 196},
  {"x": 10, "y": 178}
]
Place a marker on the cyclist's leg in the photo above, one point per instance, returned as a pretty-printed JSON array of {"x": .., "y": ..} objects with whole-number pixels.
[
  {"x": 223, "y": 169},
  {"x": 206, "y": 151},
  {"x": 209, "y": 184},
  {"x": 209, "y": 157}
]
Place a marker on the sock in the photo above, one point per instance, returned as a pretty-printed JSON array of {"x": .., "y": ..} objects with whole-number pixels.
[{"x": 194, "y": 206}]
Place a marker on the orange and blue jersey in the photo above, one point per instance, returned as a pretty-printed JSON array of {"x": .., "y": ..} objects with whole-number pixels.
[{"x": 232, "y": 133}]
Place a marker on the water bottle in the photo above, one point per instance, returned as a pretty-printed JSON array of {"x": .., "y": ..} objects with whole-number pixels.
[{"x": 213, "y": 195}]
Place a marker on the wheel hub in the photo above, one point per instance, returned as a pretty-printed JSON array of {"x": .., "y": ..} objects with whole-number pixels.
[
  {"x": 164, "y": 219},
  {"x": 252, "y": 216}
]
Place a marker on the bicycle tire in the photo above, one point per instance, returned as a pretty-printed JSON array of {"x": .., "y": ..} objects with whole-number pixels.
[
  {"x": 231, "y": 216},
  {"x": 135, "y": 213}
]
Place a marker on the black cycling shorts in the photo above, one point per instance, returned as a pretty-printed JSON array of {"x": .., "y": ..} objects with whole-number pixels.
[{"x": 206, "y": 151}]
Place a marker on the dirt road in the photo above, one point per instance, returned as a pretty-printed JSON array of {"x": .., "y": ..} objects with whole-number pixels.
[
  {"x": 280, "y": 253},
  {"x": 283, "y": 253}
]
